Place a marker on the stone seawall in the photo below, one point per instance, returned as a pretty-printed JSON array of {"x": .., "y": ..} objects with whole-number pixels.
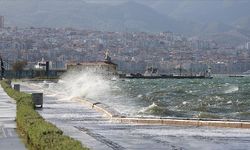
[{"x": 117, "y": 117}]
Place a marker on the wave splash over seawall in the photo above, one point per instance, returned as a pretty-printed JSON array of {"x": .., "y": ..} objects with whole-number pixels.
[
  {"x": 85, "y": 84},
  {"x": 220, "y": 98}
]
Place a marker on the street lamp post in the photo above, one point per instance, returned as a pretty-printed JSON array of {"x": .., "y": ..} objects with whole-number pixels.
[{"x": 2, "y": 68}]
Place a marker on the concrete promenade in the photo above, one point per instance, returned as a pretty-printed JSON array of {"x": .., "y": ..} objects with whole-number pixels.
[
  {"x": 9, "y": 139},
  {"x": 117, "y": 117},
  {"x": 98, "y": 132}
]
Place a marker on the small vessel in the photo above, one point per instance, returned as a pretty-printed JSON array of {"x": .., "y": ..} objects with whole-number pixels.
[
  {"x": 152, "y": 73},
  {"x": 247, "y": 72},
  {"x": 236, "y": 76}
]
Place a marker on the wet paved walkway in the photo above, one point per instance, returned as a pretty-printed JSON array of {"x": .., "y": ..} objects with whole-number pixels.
[
  {"x": 97, "y": 132},
  {"x": 9, "y": 139}
]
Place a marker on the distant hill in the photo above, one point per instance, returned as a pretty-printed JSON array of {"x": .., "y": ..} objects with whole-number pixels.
[
  {"x": 230, "y": 38},
  {"x": 234, "y": 13},
  {"x": 76, "y": 13},
  {"x": 182, "y": 16},
  {"x": 242, "y": 23},
  {"x": 225, "y": 21}
]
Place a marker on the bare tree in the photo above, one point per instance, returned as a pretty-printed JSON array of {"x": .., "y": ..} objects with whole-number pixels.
[{"x": 18, "y": 67}]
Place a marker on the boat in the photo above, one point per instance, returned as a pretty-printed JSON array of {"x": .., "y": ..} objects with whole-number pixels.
[
  {"x": 165, "y": 77},
  {"x": 152, "y": 73},
  {"x": 247, "y": 72},
  {"x": 236, "y": 76},
  {"x": 168, "y": 77}
]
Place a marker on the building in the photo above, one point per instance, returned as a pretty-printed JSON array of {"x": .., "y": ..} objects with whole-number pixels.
[
  {"x": 248, "y": 45},
  {"x": 106, "y": 67},
  {"x": 42, "y": 65},
  {"x": 1, "y": 21},
  {"x": 100, "y": 67}
]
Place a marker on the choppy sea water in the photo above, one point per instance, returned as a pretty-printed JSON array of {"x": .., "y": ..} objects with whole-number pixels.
[{"x": 218, "y": 98}]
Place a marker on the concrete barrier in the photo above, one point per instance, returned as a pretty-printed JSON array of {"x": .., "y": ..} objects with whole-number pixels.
[
  {"x": 98, "y": 106},
  {"x": 85, "y": 102},
  {"x": 176, "y": 122},
  {"x": 37, "y": 99},
  {"x": 245, "y": 125},
  {"x": 17, "y": 87},
  {"x": 117, "y": 117}
]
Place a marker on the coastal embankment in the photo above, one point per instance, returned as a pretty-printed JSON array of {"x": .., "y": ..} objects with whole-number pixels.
[
  {"x": 117, "y": 117},
  {"x": 221, "y": 102},
  {"x": 97, "y": 131}
]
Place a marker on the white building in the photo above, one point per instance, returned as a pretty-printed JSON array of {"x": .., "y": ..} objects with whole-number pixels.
[{"x": 41, "y": 65}]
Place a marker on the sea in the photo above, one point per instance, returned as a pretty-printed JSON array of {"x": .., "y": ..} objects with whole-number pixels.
[{"x": 222, "y": 97}]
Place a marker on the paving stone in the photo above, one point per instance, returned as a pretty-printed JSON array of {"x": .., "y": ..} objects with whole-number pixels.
[{"x": 9, "y": 139}]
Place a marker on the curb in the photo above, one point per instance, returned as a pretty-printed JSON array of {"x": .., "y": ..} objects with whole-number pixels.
[{"x": 117, "y": 117}]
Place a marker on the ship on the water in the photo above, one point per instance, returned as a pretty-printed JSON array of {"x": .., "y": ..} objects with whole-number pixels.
[
  {"x": 236, "y": 76},
  {"x": 152, "y": 73}
]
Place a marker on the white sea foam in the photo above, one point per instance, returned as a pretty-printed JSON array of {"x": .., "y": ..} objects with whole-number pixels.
[
  {"x": 231, "y": 89},
  {"x": 149, "y": 108},
  {"x": 184, "y": 103},
  {"x": 139, "y": 96},
  {"x": 218, "y": 98},
  {"x": 84, "y": 84},
  {"x": 146, "y": 109}
]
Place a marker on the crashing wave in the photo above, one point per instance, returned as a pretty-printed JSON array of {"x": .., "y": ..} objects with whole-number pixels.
[
  {"x": 154, "y": 109},
  {"x": 232, "y": 89}
]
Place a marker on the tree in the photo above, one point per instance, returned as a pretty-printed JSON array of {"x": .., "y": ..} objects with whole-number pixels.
[{"x": 18, "y": 67}]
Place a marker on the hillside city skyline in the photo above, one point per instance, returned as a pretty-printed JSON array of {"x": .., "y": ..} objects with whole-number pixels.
[
  {"x": 136, "y": 32},
  {"x": 132, "y": 51}
]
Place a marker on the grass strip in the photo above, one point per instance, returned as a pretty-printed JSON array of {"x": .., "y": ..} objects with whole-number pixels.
[{"x": 37, "y": 133}]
